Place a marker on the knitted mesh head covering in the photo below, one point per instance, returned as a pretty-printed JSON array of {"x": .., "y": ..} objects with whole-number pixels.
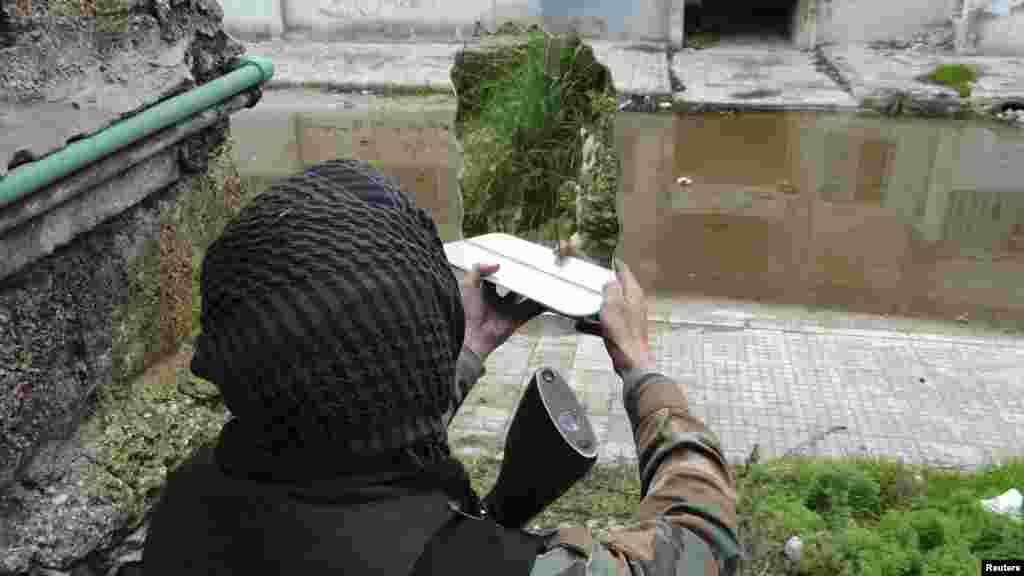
[{"x": 330, "y": 314}]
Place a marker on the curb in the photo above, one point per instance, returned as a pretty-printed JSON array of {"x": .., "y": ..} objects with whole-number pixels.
[
  {"x": 372, "y": 88},
  {"x": 877, "y": 334}
]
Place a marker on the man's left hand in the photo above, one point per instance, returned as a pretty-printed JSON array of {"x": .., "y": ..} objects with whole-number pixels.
[{"x": 491, "y": 319}]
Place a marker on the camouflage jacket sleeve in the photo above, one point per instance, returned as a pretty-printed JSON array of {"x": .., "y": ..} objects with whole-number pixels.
[
  {"x": 468, "y": 369},
  {"x": 686, "y": 520}
]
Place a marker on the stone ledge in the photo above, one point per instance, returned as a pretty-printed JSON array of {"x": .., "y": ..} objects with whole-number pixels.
[{"x": 40, "y": 223}]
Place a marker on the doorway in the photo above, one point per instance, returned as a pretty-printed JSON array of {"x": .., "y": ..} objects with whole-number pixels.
[{"x": 768, "y": 21}]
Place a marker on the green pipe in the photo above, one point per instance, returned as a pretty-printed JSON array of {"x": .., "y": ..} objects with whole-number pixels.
[{"x": 26, "y": 179}]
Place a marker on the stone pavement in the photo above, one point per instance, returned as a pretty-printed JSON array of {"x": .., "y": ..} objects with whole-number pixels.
[
  {"x": 870, "y": 71},
  {"x": 370, "y": 66},
  {"x": 946, "y": 400},
  {"x": 771, "y": 77},
  {"x": 742, "y": 76}
]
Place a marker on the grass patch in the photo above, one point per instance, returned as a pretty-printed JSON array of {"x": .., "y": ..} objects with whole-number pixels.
[
  {"x": 856, "y": 516},
  {"x": 875, "y": 516},
  {"x": 607, "y": 498},
  {"x": 956, "y": 76},
  {"x": 520, "y": 122}
]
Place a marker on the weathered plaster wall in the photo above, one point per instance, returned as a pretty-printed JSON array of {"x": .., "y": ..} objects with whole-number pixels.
[
  {"x": 1001, "y": 32},
  {"x": 843, "y": 21},
  {"x": 445, "y": 20},
  {"x": 85, "y": 441},
  {"x": 66, "y": 75},
  {"x": 82, "y": 325},
  {"x": 450, "y": 20}
]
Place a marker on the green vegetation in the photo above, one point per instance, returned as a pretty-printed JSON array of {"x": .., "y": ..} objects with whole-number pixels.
[
  {"x": 519, "y": 27},
  {"x": 111, "y": 15},
  {"x": 520, "y": 119},
  {"x": 154, "y": 413},
  {"x": 135, "y": 444},
  {"x": 874, "y": 516},
  {"x": 856, "y": 516},
  {"x": 702, "y": 40},
  {"x": 958, "y": 76},
  {"x": 605, "y": 499},
  {"x": 68, "y": 8},
  {"x": 597, "y": 212}
]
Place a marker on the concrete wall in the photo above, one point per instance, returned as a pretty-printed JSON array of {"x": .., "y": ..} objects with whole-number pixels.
[
  {"x": 353, "y": 20},
  {"x": 988, "y": 26},
  {"x": 842, "y": 21},
  {"x": 253, "y": 18},
  {"x": 1002, "y": 33},
  {"x": 641, "y": 20},
  {"x": 97, "y": 277},
  {"x": 449, "y": 20}
]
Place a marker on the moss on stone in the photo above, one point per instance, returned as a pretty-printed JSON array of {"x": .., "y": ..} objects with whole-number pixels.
[
  {"x": 519, "y": 27},
  {"x": 597, "y": 216},
  {"x": 702, "y": 40},
  {"x": 22, "y": 359},
  {"x": 162, "y": 308},
  {"x": 111, "y": 16},
  {"x": 135, "y": 443},
  {"x": 135, "y": 323},
  {"x": 956, "y": 76},
  {"x": 143, "y": 426},
  {"x": 66, "y": 8}
]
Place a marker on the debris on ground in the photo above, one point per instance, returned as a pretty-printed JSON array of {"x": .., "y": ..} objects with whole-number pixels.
[
  {"x": 792, "y": 548},
  {"x": 1007, "y": 504}
]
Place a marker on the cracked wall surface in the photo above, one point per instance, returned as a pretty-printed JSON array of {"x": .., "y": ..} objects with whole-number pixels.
[
  {"x": 67, "y": 75},
  {"x": 102, "y": 404},
  {"x": 95, "y": 399}
]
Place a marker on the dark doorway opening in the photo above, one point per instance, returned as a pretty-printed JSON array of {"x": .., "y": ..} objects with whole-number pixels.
[{"x": 768, "y": 20}]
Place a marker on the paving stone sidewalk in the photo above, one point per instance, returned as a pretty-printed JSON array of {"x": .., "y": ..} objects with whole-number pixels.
[
  {"x": 941, "y": 400},
  {"x": 768, "y": 77},
  {"x": 871, "y": 71}
]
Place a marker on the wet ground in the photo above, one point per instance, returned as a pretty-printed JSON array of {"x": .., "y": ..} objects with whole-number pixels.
[{"x": 813, "y": 211}]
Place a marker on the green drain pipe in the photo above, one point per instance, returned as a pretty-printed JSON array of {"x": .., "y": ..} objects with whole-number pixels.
[{"x": 250, "y": 71}]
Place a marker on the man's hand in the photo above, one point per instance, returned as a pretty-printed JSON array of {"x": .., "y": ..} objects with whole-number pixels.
[
  {"x": 623, "y": 315},
  {"x": 490, "y": 319},
  {"x": 624, "y": 321}
]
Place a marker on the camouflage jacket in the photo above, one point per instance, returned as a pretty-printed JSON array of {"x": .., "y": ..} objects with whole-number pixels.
[{"x": 686, "y": 520}]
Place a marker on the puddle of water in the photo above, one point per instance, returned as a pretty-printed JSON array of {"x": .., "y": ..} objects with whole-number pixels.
[
  {"x": 881, "y": 216},
  {"x": 414, "y": 144},
  {"x": 914, "y": 218}
]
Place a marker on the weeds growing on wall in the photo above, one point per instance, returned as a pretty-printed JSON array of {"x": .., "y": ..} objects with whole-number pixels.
[{"x": 522, "y": 137}]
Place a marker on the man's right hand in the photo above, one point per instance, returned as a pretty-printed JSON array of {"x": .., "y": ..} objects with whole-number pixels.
[{"x": 624, "y": 321}]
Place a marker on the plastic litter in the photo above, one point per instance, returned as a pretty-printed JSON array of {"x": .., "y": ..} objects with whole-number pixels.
[
  {"x": 1007, "y": 504},
  {"x": 792, "y": 548}
]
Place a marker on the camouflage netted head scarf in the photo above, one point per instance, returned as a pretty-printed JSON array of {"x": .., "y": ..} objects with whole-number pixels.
[{"x": 330, "y": 314}]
